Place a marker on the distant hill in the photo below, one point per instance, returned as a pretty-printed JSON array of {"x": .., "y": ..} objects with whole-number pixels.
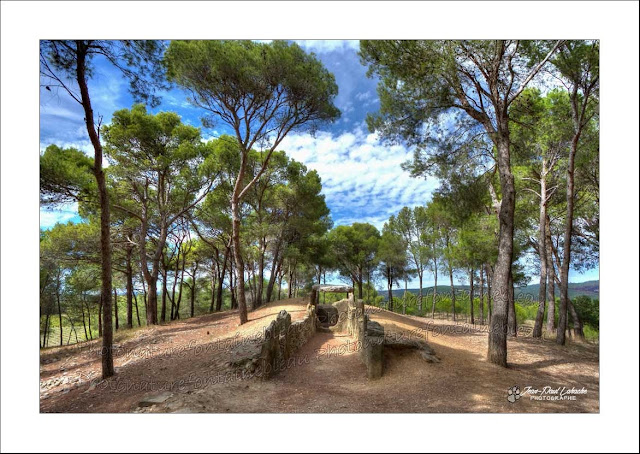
[{"x": 528, "y": 293}]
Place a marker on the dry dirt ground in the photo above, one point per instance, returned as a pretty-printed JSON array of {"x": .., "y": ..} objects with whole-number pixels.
[{"x": 183, "y": 367}]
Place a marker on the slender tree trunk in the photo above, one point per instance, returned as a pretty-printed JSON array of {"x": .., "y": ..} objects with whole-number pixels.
[
  {"x": 72, "y": 330},
  {"x": 497, "y": 353},
  {"x": 151, "y": 277},
  {"x": 105, "y": 220},
  {"x": 389, "y": 286},
  {"x": 481, "y": 295},
  {"x": 100, "y": 318},
  {"x": 253, "y": 291},
  {"x": 404, "y": 298},
  {"x": 163, "y": 304},
  {"x": 551, "y": 275},
  {"x": 47, "y": 327},
  {"x": 420, "y": 294},
  {"x": 290, "y": 295},
  {"x": 177, "y": 314},
  {"x": 275, "y": 267},
  {"x": 135, "y": 300},
  {"x": 453, "y": 293},
  {"x": 89, "y": 320},
  {"x": 214, "y": 276},
  {"x": 577, "y": 323},
  {"x": 512, "y": 322},
  {"x": 152, "y": 300},
  {"x": 435, "y": 288},
  {"x": 129, "y": 277},
  {"x": 489, "y": 300},
  {"x": 232, "y": 288},
  {"x": 566, "y": 250},
  {"x": 84, "y": 324},
  {"x": 542, "y": 253},
  {"x": 324, "y": 294},
  {"x": 144, "y": 296},
  {"x": 235, "y": 244},
  {"x": 193, "y": 290},
  {"x": 173, "y": 287},
  {"x": 260, "y": 284},
  {"x": 368, "y": 285},
  {"x": 221, "y": 274},
  {"x": 59, "y": 305},
  {"x": 471, "y": 296},
  {"x": 578, "y": 108},
  {"x": 115, "y": 307},
  {"x": 45, "y": 340}
]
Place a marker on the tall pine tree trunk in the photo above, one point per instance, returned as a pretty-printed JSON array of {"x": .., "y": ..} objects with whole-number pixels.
[
  {"x": 214, "y": 275},
  {"x": 115, "y": 308},
  {"x": 420, "y": 294},
  {"x": 100, "y": 313},
  {"x": 497, "y": 353},
  {"x": 577, "y": 323},
  {"x": 481, "y": 295},
  {"x": 453, "y": 293},
  {"x": 551, "y": 280},
  {"x": 435, "y": 288},
  {"x": 221, "y": 275},
  {"x": 163, "y": 307},
  {"x": 129, "y": 276},
  {"x": 389, "y": 287},
  {"x": 513, "y": 324},
  {"x": 471, "y": 296},
  {"x": 193, "y": 290},
  {"x": 542, "y": 253},
  {"x": 489, "y": 300},
  {"x": 566, "y": 250},
  {"x": 235, "y": 244},
  {"x": 105, "y": 218},
  {"x": 135, "y": 302},
  {"x": 89, "y": 321},
  {"x": 404, "y": 298}
]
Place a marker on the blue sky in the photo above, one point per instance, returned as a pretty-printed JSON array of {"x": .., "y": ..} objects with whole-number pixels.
[{"x": 362, "y": 179}]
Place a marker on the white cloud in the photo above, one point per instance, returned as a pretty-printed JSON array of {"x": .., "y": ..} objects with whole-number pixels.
[
  {"x": 328, "y": 45},
  {"x": 363, "y": 96},
  {"x": 62, "y": 214},
  {"x": 361, "y": 177}
]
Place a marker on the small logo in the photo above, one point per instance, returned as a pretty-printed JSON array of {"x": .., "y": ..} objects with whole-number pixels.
[{"x": 513, "y": 394}]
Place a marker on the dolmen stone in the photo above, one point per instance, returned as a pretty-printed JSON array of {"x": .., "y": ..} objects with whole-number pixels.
[{"x": 328, "y": 288}]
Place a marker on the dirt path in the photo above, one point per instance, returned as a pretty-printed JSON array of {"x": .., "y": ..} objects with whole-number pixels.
[
  {"x": 149, "y": 361},
  {"x": 326, "y": 375}
]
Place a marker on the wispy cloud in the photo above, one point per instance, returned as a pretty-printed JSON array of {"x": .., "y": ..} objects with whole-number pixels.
[
  {"x": 328, "y": 45},
  {"x": 62, "y": 214},
  {"x": 361, "y": 177}
]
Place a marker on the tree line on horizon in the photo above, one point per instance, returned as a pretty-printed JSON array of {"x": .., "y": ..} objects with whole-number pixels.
[{"x": 225, "y": 221}]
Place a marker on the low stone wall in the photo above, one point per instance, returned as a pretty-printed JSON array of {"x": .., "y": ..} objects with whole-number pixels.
[
  {"x": 373, "y": 349},
  {"x": 281, "y": 339},
  {"x": 369, "y": 334},
  {"x": 301, "y": 331}
]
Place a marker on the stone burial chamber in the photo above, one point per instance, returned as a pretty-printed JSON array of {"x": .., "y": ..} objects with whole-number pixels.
[
  {"x": 272, "y": 352},
  {"x": 349, "y": 315}
]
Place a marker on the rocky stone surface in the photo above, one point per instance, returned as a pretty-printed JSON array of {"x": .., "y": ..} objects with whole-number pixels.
[
  {"x": 155, "y": 400},
  {"x": 373, "y": 350},
  {"x": 328, "y": 315},
  {"x": 319, "y": 288},
  {"x": 403, "y": 343},
  {"x": 281, "y": 339}
]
